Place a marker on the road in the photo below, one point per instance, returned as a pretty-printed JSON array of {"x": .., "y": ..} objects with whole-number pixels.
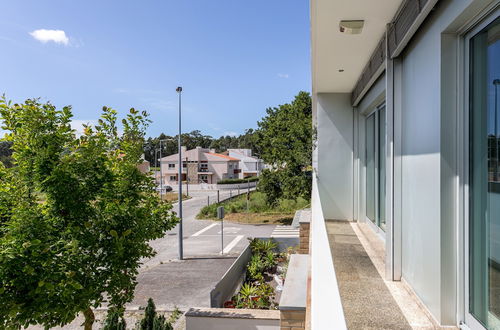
[{"x": 187, "y": 283}]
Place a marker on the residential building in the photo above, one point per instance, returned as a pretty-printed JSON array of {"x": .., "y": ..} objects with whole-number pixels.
[
  {"x": 405, "y": 227},
  {"x": 249, "y": 165},
  {"x": 199, "y": 165}
]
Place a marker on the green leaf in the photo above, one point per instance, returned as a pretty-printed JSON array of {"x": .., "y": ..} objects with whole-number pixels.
[{"x": 113, "y": 233}]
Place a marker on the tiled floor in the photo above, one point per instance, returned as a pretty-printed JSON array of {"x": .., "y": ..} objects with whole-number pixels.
[{"x": 368, "y": 300}]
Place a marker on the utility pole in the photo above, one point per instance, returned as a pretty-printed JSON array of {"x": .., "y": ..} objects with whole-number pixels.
[{"x": 179, "y": 91}]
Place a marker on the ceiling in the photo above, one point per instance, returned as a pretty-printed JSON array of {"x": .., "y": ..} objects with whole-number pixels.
[{"x": 333, "y": 51}]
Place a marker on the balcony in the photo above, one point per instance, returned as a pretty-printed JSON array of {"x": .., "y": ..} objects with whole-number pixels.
[{"x": 348, "y": 286}]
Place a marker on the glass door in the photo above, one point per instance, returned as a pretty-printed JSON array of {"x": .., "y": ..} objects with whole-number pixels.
[
  {"x": 484, "y": 176},
  {"x": 375, "y": 167}
]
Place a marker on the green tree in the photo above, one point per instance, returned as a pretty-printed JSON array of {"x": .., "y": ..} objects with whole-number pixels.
[
  {"x": 285, "y": 141},
  {"x": 153, "y": 321},
  {"x": 76, "y": 215}
]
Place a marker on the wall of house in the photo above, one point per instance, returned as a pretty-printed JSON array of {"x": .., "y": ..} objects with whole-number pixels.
[
  {"x": 334, "y": 153},
  {"x": 219, "y": 169},
  {"x": 429, "y": 168}
]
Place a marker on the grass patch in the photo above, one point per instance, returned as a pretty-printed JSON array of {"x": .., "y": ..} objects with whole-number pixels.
[
  {"x": 258, "y": 210},
  {"x": 173, "y": 197}
]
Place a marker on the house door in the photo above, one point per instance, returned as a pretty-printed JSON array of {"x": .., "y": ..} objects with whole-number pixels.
[{"x": 483, "y": 224}]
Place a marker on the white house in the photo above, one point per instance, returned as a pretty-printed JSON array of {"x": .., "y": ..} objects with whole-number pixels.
[
  {"x": 249, "y": 165},
  {"x": 405, "y": 227}
]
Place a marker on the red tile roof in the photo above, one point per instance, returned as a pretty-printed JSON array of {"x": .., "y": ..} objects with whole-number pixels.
[{"x": 223, "y": 156}]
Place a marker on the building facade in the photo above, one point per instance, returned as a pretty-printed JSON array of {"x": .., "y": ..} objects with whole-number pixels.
[
  {"x": 249, "y": 165},
  {"x": 199, "y": 166},
  {"x": 405, "y": 102}
]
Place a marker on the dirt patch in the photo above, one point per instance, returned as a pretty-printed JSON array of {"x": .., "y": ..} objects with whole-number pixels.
[{"x": 261, "y": 218}]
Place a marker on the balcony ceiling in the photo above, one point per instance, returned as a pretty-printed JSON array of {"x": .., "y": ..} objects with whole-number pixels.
[{"x": 333, "y": 50}]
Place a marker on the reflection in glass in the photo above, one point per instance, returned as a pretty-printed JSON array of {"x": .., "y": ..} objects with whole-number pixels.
[
  {"x": 381, "y": 168},
  {"x": 370, "y": 167},
  {"x": 484, "y": 216}
]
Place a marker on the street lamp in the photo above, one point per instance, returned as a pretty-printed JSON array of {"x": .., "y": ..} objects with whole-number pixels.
[
  {"x": 496, "y": 82},
  {"x": 179, "y": 91}
]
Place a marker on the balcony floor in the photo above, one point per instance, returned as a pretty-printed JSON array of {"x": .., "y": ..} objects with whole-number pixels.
[{"x": 369, "y": 301}]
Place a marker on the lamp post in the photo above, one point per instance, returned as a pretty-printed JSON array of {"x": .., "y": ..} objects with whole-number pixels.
[
  {"x": 179, "y": 91},
  {"x": 496, "y": 82}
]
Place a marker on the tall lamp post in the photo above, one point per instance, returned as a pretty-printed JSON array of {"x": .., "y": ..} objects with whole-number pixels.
[
  {"x": 179, "y": 179},
  {"x": 496, "y": 82}
]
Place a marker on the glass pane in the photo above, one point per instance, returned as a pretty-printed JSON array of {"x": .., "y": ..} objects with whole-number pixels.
[
  {"x": 381, "y": 168},
  {"x": 484, "y": 226},
  {"x": 370, "y": 167}
]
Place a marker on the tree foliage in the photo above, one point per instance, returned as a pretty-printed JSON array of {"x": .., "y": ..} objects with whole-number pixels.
[
  {"x": 76, "y": 214},
  {"x": 285, "y": 141}
]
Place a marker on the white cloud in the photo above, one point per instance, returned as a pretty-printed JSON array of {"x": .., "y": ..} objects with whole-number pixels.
[
  {"x": 44, "y": 36},
  {"x": 230, "y": 133},
  {"x": 284, "y": 75}
]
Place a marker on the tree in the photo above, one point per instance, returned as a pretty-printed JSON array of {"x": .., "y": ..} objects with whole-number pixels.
[
  {"x": 76, "y": 215},
  {"x": 285, "y": 141},
  {"x": 6, "y": 153}
]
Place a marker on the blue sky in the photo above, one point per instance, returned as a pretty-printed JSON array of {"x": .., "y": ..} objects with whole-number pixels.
[{"x": 233, "y": 58}]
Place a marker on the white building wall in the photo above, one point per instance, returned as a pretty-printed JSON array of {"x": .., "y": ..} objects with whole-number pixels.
[{"x": 335, "y": 154}]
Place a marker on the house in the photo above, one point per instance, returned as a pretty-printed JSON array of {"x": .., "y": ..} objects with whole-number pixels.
[
  {"x": 199, "y": 165},
  {"x": 405, "y": 227},
  {"x": 249, "y": 165}
]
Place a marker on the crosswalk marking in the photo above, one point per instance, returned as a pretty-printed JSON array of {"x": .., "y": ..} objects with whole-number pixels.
[{"x": 285, "y": 231}]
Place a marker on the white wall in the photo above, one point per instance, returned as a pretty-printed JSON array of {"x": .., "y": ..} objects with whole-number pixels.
[{"x": 334, "y": 119}]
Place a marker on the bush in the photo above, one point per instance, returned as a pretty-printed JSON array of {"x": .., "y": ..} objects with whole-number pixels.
[
  {"x": 234, "y": 181},
  {"x": 114, "y": 321},
  {"x": 152, "y": 321}
]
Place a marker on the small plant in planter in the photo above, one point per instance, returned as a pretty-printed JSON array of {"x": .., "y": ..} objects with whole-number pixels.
[{"x": 153, "y": 321}]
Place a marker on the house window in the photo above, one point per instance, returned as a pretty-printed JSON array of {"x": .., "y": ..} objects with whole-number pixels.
[
  {"x": 375, "y": 167},
  {"x": 171, "y": 165},
  {"x": 230, "y": 165},
  {"x": 184, "y": 164},
  {"x": 484, "y": 175},
  {"x": 173, "y": 178},
  {"x": 204, "y": 178}
]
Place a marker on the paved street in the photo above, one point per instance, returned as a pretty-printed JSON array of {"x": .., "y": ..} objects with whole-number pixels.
[{"x": 187, "y": 283}]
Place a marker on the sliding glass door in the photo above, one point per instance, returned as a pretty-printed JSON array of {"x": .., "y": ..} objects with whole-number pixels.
[
  {"x": 484, "y": 176},
  {"x": 375, "y": 167}
]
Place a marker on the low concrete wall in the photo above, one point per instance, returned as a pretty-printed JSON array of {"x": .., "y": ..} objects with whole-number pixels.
[
  {"x": 232, "y": 319},
  {"x": 234, "y": 186},
  {"x": 231, "y": 280}
]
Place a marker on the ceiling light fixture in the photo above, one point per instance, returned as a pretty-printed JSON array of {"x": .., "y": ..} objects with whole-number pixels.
[{"x": 351, "y": 26}]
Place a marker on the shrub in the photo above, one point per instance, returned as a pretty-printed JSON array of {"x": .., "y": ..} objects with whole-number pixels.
[
  {"x": 152, "y": 321},
  {"x": 262, "y": 247},
  {"x": 114, "y": 321},
  {"x": 255, "y": 268},
  {"x": 235, "y": 181}
]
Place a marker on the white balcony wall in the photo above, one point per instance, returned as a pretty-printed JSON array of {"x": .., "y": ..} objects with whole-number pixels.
[{"x": 334, "y": 154}]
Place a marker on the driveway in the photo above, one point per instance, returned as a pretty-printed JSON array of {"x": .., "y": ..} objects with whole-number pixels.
[{"x": 187, "y": 283}]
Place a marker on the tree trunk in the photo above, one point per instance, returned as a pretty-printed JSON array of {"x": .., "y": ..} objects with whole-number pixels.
[{"x": 89, "y": 319}]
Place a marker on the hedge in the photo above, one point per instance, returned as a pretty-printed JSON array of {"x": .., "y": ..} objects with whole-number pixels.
[{"x": 233, "y": 181}]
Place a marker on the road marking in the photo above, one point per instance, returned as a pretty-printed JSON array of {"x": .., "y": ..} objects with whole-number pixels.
[
  {"x": 233, "y": 243},
  {"x": 285, "y": 231},
  {"x": 198, "y": 233}
]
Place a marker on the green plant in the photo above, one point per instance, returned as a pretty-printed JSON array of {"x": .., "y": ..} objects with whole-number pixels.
[
  {"x": 262, "y": 247},
  {"x": 76, "y": 214},
  {"x": 114, "y": 321},
  {"x": 255, "y": 268},
  {"x": 152, "y": 321},
  {"x": 176, "y": 313},
  {"x": 270, "y": 260}
]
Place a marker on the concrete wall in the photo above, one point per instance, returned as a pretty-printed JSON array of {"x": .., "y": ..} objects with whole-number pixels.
[
  {"x": 231, "y": 319},
  {"x": 334, "y": 152}
]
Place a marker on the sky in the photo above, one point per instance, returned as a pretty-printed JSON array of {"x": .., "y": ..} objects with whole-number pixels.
[{"x": 233, "y": 58}]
